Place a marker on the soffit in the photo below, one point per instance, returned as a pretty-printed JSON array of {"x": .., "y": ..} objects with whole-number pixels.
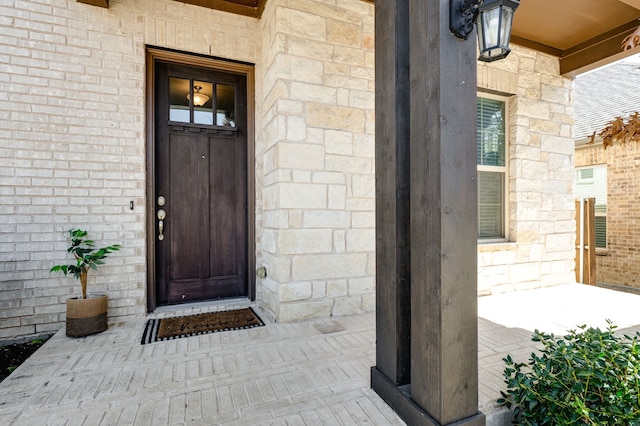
[
  {"x": 584, "y": 34},
  {"x": 252, "y": 8}
]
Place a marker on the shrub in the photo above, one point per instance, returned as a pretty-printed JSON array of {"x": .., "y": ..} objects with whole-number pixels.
[{"x": 588, "y": 377}]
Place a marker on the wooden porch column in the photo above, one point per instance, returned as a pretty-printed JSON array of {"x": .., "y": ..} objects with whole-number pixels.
[
  {"x": 393, "y": 255},
  {"x": 436, "y": 382}
]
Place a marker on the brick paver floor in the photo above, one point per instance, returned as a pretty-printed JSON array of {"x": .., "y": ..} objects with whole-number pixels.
[{"x": 308, "y": 373}]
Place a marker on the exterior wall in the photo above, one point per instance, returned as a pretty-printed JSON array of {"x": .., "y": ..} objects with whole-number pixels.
[
  {"x": 72, "y": 153},
  {"x": 619, "y": 263},
  {"x": 318, "y": 240},
  {"x": 72, "y": 141},
  {"x": 540, "y": 247}
]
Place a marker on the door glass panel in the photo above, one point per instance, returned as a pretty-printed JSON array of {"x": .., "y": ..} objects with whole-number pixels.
[
  {"x": 202, "y": 102},
  {"x": 226, "y": 105},
  {"x": 178, "y": 100}
]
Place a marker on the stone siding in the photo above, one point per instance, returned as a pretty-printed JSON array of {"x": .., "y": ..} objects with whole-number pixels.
[
  {"x": 619, "y": 263},
  {"x": 318, "y": 236},
  {"x": 541, "y": 231}
]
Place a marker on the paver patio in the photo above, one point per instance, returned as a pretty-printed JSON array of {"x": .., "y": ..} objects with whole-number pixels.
[{"x": 309, "y": 373}]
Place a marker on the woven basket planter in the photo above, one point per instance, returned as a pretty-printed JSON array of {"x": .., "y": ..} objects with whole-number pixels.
[{"x": 86, "y": 316}]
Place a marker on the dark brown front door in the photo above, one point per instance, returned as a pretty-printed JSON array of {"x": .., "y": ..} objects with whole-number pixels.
[{"x": 200, "y": 184}]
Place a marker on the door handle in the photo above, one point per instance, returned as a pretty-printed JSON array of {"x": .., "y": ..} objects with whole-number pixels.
[{"x": 161, "y": 216}]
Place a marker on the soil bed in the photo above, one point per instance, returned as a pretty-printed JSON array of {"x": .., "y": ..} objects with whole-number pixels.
[{"x": 12, "y": 355}]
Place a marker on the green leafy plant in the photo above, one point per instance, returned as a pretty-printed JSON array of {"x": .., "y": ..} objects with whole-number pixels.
[
  {"x": 589, "y": 377},
  {"x": 87, "y": 257}
]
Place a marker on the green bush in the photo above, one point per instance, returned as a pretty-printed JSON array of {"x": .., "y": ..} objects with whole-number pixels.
[{"x": 588, "y": 377}]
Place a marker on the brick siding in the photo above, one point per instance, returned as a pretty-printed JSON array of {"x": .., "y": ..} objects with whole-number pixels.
[{"x": 619, "y": 263}]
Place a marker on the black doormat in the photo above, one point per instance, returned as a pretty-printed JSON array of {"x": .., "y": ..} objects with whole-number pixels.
[{"x": 157, "y": 330}]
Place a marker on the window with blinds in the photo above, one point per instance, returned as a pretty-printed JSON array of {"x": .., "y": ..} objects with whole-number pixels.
[
  {"x": 492, "y": 168},
  {"x": 591, "y": 182}
]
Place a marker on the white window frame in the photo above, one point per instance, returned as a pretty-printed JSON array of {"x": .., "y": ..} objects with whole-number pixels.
[{"x": 500, "y": 169}]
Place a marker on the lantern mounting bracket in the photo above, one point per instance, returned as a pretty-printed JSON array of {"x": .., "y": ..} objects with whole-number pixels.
[{"x": 462, "y": 15}]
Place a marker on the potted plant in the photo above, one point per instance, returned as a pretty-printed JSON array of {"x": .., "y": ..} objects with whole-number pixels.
[{"x": 86, "y": 315}]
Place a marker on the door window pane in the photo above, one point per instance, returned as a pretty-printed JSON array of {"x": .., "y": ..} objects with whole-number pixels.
[
  {"x": 226, "y": 105},
  {"x": 178, "y": 100},
  {"x": 202, "y": 102}
]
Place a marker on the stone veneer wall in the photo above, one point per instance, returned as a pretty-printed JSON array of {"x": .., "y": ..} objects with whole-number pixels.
[
  {"x": 72, "y": 141},
  {"x": 318, "y": 236},
  {"x": 540, "y": 251},
  {"x": 620, "y": 262}
]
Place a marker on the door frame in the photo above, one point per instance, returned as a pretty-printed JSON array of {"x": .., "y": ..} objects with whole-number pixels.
[{"x": 154, "y": 54}]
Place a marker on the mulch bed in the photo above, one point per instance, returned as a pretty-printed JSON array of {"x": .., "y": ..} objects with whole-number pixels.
[{"x": 11, "y": 356}]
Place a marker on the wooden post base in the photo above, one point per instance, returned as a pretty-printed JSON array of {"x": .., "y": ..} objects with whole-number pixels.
[{"x": 399, "y": 399}]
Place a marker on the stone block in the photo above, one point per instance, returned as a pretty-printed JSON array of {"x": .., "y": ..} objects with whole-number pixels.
[
  {"x": 524, "y": 272},
  {"x": 335, "y": 117},
  {"x": 338, "y": 142},
  {"x": 363, "y": 186},
  {"x": 307, "y": 70},
  {"x": 361, "y": 240},
  {"x": 336, "y": 288},
  {"x": 306, "y": 92},
  {"x": 300, "y": 156},
  {"x": 339, "y": 241},
  {"x": 364, "y": 145},
  {"x": 278, "y": 268},
  {"x": 302, "y": 196},
  {"x": 329, "y": 178},
  {"x": 290, "y": 292},
  {"x": 337, "y": 197},
  {"x": 349, "y": 164},
  {"x": 308, "y": 25},
  {"x": 559, "y": 242},
  {"x": 301, "y": 176},
  {"x": 533, "y": 108},
  {"x": 326, "y": 219},
  {"x": 275, "y": 219},
  {"x": 296, "y": 128},
  {"x": 361, "y": 285},
  {"x": 301, "y": 311},
  {"x": 347, "y": 306},
  {"x": 558, "y": 145},
  {"x": 303, "y": 241},
  {"x": 269, "y": 242},
  {"x": 340, "y": 32},
  {"x": 369, "y": 302},
  {"x": 319, "y": 290},
  {"x": 555, "y": 94},
  {"x": 363, "y": 220},
  {"x": 316, "y": 267},
  {"x": 295, "y": 219}
]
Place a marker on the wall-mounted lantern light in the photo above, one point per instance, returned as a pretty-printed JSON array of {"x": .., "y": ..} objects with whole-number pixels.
[{"x": 493, "y": 19}]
